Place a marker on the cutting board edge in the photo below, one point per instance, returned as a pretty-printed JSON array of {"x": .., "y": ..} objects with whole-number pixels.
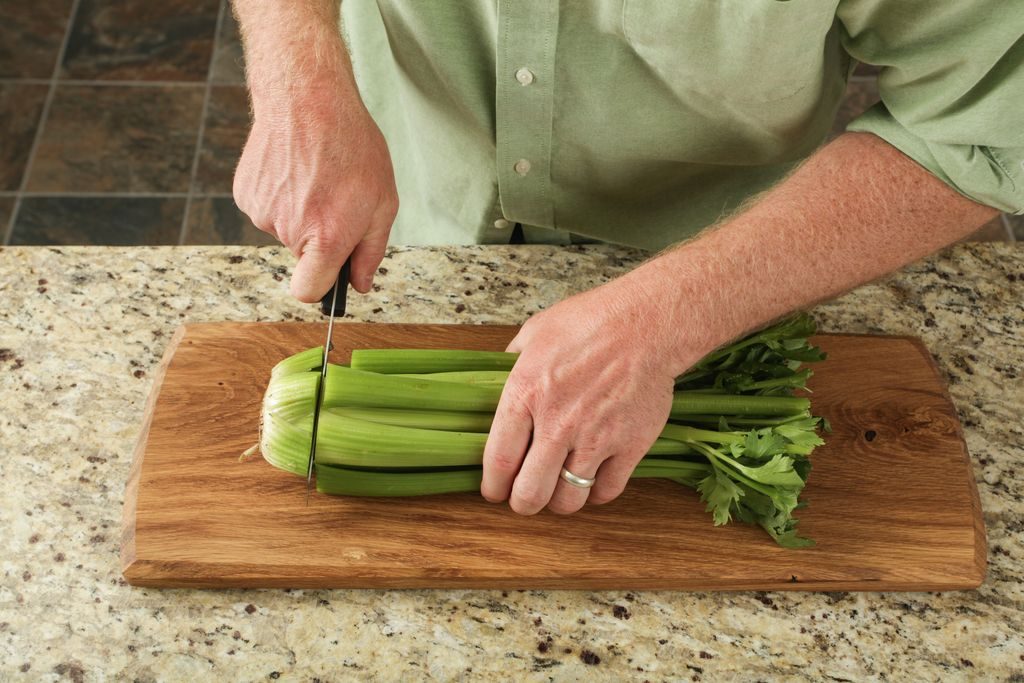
[
  {"x": 129, "y": 551},
  {"x": 163, "y": 574},
  {"x": 980, "y": 534}
]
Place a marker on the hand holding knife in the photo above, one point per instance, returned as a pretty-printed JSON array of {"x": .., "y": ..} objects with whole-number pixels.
[{"x": 332, "y": 305}]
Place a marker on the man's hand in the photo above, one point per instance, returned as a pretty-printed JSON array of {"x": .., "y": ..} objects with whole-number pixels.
[
  {"x": 318, "y": 176},
  {"x": 593, "y": 386},
  {"x": 594, "y": 381},
  {"x": 315, "y": 171}
]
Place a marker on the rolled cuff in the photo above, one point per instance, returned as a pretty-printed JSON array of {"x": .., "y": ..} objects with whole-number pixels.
[{"x": 988, "y": 175}]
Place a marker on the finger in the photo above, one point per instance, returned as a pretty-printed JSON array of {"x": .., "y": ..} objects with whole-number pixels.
[
  {"x": 317, "y": 269},
  {"x": 612, "y": 477},
  {"x": 538, "y": 476},
  {"x": 568, "y": 498},
  {"x": 370, "y": 251},
  {"x": 506, "y": 446}
]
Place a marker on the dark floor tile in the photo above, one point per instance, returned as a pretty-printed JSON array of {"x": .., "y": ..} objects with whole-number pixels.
[
  {"x": 20, "y": 107},
  {"x": 993, "y": 231},
  {"x": 118, "y": 139},
  {"x": 30, "y": 36},
  {"x": 142, "y": 40},
  {"x": 860, "y": 95},
  {"x": 228, "y": 63},
  {"x": 6, "y": 208},
  {"x": 227, "y": 125},
  {"x": 109, "y": 221},
  {"x": 216, "y": 220}
]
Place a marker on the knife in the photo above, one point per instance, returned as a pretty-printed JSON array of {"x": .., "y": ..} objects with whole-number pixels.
[{"x": 332, "y": 305}]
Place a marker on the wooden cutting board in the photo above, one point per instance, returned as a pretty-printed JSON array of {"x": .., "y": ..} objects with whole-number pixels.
[{"x": 892, "y": 499}]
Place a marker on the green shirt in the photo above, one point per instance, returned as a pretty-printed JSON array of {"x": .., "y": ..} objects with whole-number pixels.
[{"x": 641, "y": 122}]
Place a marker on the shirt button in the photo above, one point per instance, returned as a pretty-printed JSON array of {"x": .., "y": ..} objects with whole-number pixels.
[
  {"x": 501, "y": 224},
  {"x": 524, "y": 76},
  {"x": 522, "y": 167}
]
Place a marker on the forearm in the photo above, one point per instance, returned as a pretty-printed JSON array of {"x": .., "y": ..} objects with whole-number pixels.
[
  {"x": 315, "y": 171},
  {"x": 855, "y": 211},
  {"x": 293, "y": 47}
]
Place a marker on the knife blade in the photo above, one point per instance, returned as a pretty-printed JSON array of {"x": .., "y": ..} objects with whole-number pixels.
[{"x": 333, "y": 304}]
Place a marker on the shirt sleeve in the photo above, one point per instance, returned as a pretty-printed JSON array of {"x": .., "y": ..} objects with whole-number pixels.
[{"x": 952, "y": 88}]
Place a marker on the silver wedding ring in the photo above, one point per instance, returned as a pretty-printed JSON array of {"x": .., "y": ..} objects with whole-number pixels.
[{"x": 576, "y": 480}]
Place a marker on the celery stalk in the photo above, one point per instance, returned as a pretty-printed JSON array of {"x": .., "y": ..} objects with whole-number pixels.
[
  {"x": 469, "y": 377},
  {"x": 346, "y": 482},
  {"x": 446, "y": 420},
  {"x": 343, "y": 440},
  {"x": 392, "y": 361},
  {"x": 688, "y": 403},
  {"x": 304, "y": 361},
  {"x": 351, "y": 482},
  {"x": 352, "y": 387}
]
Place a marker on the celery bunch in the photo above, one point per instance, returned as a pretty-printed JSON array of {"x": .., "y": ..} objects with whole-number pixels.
[{"x": 406, "y": 422}]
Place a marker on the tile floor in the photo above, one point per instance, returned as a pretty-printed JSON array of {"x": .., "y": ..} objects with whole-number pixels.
[{"x": 123, "y": 120}]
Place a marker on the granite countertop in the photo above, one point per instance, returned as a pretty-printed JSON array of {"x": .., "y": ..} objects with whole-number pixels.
[{"x": 82, "y": 330}]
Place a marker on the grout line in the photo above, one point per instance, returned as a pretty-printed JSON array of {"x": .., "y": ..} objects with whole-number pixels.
[
  {"x": 101, "y": 195},
  {"x": 1010, "y": 237},
  {"x": 43, "y": 117},
  {"x": 202, "y": 125},
  {"x": 25, "y": 81},
  {"x": 103, "y": 83},
  {"x": 115, "y": 195}
]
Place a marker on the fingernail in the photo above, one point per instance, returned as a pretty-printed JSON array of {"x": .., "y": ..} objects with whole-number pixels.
[{"x": 366, "y": 282}]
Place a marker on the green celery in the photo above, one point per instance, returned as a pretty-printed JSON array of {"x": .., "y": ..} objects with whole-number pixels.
[
  {"x": 353, "y": 387},
  {"x": 393, "y": 361}
]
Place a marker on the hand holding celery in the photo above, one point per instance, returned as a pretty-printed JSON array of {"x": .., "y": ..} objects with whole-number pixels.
[{"x": 414, "y": 422}]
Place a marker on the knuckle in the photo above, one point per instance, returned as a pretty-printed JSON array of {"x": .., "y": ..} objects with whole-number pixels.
[
  {"x": 520, "y": 390},
  {"x": 566, "y": 422},
  {"x": 503, "y": 462},
  {"x": 326, "y": 241},
  {"x": 550, "y": 440},
  {"x": 586, "y": 459},
  {"x": 518, "y": 399},
  {"x": 391, "y": 205}
]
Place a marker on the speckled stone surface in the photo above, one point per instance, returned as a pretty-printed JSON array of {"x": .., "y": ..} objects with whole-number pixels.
[{"x": 82, "y": 329}]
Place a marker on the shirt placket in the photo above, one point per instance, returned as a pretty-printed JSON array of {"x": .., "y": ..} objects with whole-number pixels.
[{"x": 525, "y": 62}]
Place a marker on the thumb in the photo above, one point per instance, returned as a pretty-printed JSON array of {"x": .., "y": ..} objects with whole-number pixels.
[{"x": 317, "y": 269}]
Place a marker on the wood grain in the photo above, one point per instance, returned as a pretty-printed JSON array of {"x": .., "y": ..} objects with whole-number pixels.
[{"x": 892, "y": 499}]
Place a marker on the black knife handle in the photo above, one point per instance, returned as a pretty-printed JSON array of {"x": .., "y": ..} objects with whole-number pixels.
[{"x": 340, "y": 302}]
